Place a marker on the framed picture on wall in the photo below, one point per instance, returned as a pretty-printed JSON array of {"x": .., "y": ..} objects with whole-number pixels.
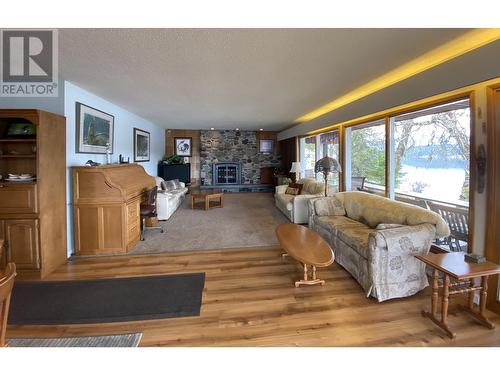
[
  {"x": 94, "y": 130},
  {"x": 141, "y": 145},
  {"x": 266, "y": 146},
  {"x": 182, "y": 146}
]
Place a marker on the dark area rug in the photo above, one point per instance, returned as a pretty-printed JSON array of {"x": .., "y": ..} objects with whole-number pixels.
[{"x": 106, "y": 300}]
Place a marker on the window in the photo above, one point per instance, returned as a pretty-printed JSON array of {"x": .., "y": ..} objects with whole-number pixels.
[
  {"x": 431, "y": 165},
  {"x": 316, "y": 147},
  {"x": 328, "y": 145},
  {"x": 308, "y": 156},
  {"x": 432, "y": 153},
  {"x": 365, "y": 157}
]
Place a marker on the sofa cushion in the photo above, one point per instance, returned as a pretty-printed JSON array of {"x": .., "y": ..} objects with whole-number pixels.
[
  {"x": 177, "y": 184},
  {"x": 356, "y": 238},
  {"x": 169, "y": 185},
  {"x": 336, "y": 223},
  {"x": 374, "y": 210},
  {"x": 329, "y": 206}
]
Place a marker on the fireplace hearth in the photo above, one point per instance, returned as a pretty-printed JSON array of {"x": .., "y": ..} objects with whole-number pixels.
[{"x": 226, "y": 173}]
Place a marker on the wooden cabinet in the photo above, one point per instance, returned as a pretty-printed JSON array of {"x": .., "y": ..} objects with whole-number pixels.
[
  {"x": 22, "y": 241},
  {"x": 33, "y": 213},
  {"x": 106, "y": 207},
  {"x": 17, "y": 198}
]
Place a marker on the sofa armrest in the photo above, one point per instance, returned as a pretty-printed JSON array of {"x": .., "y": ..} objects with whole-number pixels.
[
  {"x": 311, "y": 210},
  {"x": 182, "y": 184},
  {"x": 406, "y": 239},
  {"x": 280, "y": 189}
]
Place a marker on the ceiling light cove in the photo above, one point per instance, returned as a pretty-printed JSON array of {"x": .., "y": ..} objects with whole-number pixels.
[{"x": 469, "y": 41}]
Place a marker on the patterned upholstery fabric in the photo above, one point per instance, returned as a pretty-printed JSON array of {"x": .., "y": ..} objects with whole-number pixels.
[
  {"x": 382, "y": 260},
  {"x": 374, "y": 210},
  {"x": 329, "y": 207}
]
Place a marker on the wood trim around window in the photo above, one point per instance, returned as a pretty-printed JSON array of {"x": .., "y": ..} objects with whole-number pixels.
[{"x": 492, "y": 240}]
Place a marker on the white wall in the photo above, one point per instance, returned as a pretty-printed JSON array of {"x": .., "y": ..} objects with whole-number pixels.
[{"x": 125, "y": 122}]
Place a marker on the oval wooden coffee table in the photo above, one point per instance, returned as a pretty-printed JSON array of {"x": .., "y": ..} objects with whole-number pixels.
[{"x": 306, "y": 246}]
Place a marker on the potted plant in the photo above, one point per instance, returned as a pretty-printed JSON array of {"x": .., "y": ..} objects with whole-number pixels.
[{"x": 173, "y": 159}]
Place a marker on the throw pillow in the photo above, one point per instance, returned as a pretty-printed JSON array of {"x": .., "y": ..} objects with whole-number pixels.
[
  {"x": 169, "y": 185},
  {"x": 292, "y": 191},
  {"x": 297, "y": 186},
  {"x": 163, "y": 186},
  {"x": 177, "y": 184},
  {"x": 329, "y": 206}
]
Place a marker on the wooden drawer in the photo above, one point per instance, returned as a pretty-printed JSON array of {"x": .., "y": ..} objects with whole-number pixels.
[{"x": 18, "y": 198}]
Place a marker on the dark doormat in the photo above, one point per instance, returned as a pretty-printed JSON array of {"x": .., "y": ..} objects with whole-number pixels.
[{"x": 106, "y": 300}]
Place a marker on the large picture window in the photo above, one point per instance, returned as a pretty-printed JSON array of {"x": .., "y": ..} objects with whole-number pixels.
[
  {"x": 431, "y": 164},
  {"x": 365, "y": 157},
  {"x": 316, "y": 147}
]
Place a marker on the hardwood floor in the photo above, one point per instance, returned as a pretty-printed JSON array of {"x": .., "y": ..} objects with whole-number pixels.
[{"x": 249, "y": 300}]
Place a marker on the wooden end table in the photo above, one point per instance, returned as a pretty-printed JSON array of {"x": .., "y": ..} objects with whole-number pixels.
[
  {"x": 306, "y": 246},
  {"x": 453, "y": 265},
  {"x": 206, "y": 195}
]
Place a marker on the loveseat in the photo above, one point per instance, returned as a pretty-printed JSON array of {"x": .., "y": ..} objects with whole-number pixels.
[
  {"x": 167, "y": 201},
  {"x": 295, "y": 206},
  {"x": 376, "y": 239}
]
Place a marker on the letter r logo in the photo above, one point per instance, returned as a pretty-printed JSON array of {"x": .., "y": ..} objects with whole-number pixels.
[{"x": 27, "y": 55}]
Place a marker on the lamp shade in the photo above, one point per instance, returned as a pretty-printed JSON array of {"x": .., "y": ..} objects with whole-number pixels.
[
  {"x": 295, "y": 167},
  {"x": 326, "y": 165}
]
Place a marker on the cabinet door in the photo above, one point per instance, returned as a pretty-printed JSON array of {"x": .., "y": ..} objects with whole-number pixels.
[
  {"x": 22, "y": 239},
  {"x": 16, "y": 199}
]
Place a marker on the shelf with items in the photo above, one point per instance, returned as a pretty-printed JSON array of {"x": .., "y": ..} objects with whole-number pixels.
[
  {"x": 17, "y": 156},
  {"x": 17, "y": 140}
]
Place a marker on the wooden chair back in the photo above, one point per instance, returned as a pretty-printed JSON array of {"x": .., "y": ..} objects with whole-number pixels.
[{"x": 6, "y": 285}]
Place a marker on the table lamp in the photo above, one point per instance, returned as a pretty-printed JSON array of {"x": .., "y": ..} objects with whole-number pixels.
[
  {"x": 295, "y": 169},
  {"x": 327, "y": 165}
]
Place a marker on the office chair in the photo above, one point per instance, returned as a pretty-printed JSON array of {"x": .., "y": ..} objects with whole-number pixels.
[{"x": 148, "y": 209}]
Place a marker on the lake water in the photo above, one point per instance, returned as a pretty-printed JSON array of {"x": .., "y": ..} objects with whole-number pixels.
[{"x": 443, "y": 184}]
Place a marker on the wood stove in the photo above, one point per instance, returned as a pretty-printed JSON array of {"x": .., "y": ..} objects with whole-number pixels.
[{"x": 226, "y": 174}]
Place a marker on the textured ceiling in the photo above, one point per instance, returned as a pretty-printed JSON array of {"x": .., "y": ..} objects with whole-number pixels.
[{"x": 228, "y": 78}]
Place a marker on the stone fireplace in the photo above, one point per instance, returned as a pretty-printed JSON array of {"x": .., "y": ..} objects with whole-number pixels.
[{"x": 237, "y": 154}]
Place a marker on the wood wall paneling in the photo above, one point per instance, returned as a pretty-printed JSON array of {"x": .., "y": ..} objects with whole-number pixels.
[
  {"x": 289, "y": 154},
  {"x": 170, "y": 134}
]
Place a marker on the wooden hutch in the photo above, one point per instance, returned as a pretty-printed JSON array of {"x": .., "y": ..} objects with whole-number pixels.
[
  {"x": 33, "y": 213},
  {"x": 106, "y": 211}
]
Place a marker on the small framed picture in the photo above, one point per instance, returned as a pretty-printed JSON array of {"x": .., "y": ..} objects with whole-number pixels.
[
  {"x": 182, "y": 146},
  {"x": 141, "y": 145},
  {"x": 266, "y": 146},
  {"x": 94, "y": 130}
]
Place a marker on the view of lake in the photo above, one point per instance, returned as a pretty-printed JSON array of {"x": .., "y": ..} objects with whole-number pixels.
[{"x": 443, "y": 184}]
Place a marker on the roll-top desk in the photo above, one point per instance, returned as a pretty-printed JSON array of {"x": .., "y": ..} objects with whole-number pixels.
[{"x": 106, "y": 211}]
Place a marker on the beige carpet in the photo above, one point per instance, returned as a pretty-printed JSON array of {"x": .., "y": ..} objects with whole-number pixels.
[{"x": 246, "y": 220}]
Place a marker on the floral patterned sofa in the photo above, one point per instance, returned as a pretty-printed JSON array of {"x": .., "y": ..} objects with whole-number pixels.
[{"x": 375, "y": 239}]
